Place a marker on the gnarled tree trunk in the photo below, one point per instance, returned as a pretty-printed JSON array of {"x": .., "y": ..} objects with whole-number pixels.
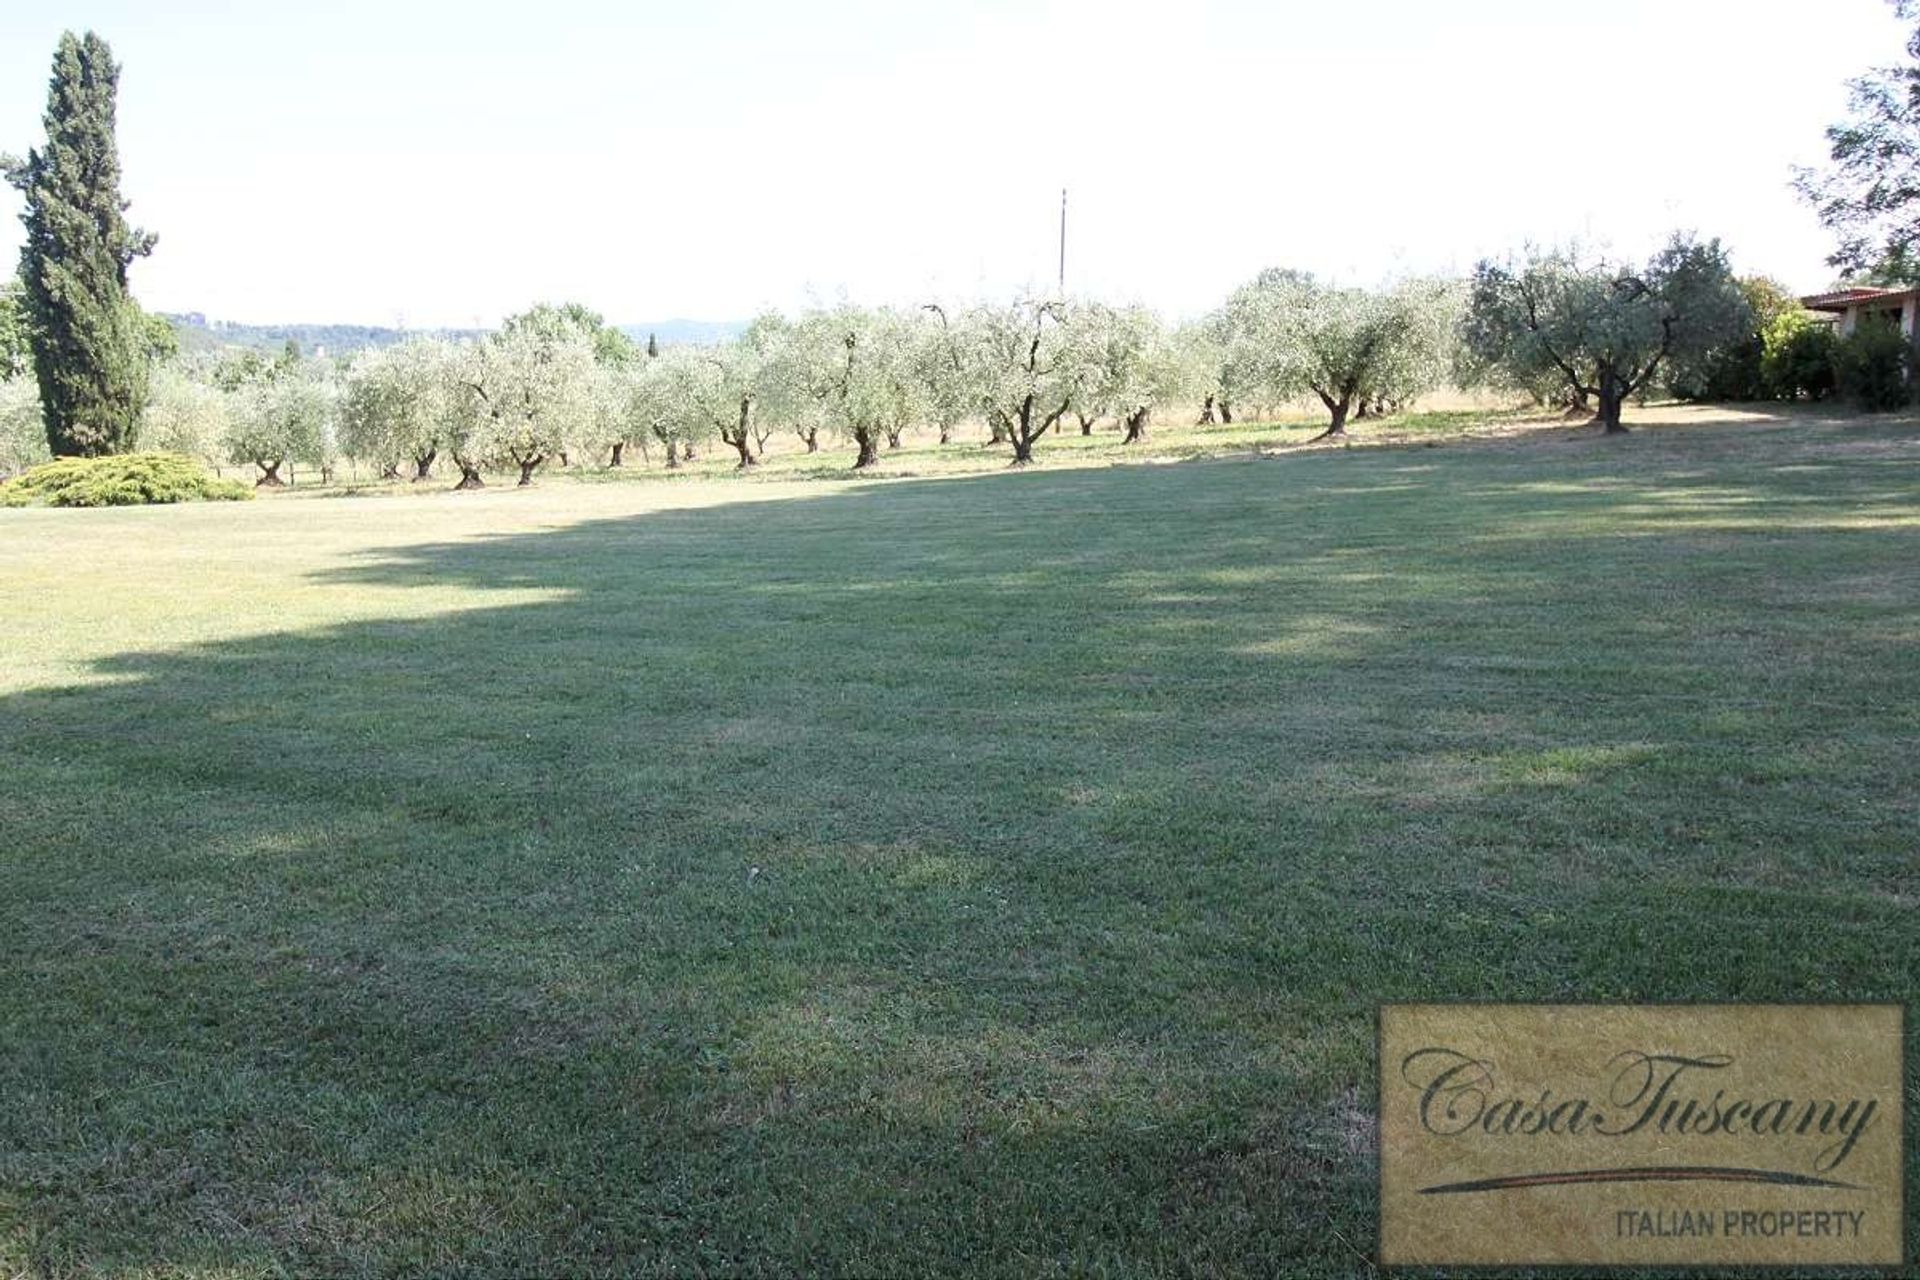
[
  {"x": 1137, "y": 425},
  {"x": 423, "y": 464},
  {"x": 619, "y": 454},
  {"x": 869, "y": 449},
  {"x": 1612, "y": 396},
  {"x": 1206, "y": 418},
  {"x": 1338, "y": 409},
  {"x": 269, "y": 474},
  {"x": 527, "y": 467},
  {"x": 470, "y": 477}
]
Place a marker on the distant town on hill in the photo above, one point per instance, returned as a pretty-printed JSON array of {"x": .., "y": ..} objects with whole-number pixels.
[{"x": 198, "y": 333}]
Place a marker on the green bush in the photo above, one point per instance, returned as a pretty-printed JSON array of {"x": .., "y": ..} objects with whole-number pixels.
[
  {"x": 1797, "y": 357},
  {"x": 1872, "y": 364},
  {"x": 125, "y": 480}
]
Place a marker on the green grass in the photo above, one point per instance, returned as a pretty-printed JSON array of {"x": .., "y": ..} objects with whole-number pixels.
[{"x": 990, "y": 875}]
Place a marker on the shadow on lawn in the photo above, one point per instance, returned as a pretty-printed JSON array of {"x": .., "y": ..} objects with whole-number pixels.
[{"x": 987, "y": 875}]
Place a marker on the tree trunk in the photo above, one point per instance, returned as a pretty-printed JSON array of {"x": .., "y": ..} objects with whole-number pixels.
[
  {"x": 470, "y": 478},
  {"x": 686, "y": 451},
  {"x": 1022, "y": 451},
  {"x": 1137, "y": 426},
  {"x": 390, "y": 471},
  {"x": 869, "y": 450},
  {"x": 744, "y": 447},
  {"x": 1338, "y": 409},
  {"x": 673, "y": 455},
  {"x": 1206, "y": 414},
  {"x": 893, "y": 439},
  {"x": 1226, "y": 413},
  {"x": 1611, "y": 400},
  {"x": 326, "y": 475},
  {"x": 270, "y": 475},
  {"x": 527, "y": 467},
  {"x": 1086, "y": 423},
  {"x": 423, "y": 464},
  {"x": 812, "y": 436},
  {"x": 565, "y": 461},
  {"x": 619, "y": 454},
  {"x": 999, "y": 430},
  {"x": 946, "y": 434}
]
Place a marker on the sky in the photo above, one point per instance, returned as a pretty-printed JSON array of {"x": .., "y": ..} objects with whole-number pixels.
[{"x": 445, "y": 164}]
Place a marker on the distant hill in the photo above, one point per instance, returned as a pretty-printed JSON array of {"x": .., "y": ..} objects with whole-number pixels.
[
  {"x": 197, "y": 333},
  {"x": 691, "y": 333}
]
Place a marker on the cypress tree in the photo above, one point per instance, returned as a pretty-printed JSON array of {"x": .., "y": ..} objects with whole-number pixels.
[
  {"x": 653, "y": 347},
  {"x": 90, "y": 352}
]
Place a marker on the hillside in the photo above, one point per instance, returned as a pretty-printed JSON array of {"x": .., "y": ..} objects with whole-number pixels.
[{"x": 198, "y": 333}]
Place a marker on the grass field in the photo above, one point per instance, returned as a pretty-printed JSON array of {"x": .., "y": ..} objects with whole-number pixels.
[{"x": 977, "y": 875}]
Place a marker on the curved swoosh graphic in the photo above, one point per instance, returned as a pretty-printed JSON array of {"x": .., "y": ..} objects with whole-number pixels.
[{"x": 1653, "y": 1173}]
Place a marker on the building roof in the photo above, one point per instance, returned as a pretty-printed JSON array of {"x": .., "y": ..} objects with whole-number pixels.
[{"x": 1842, "y": 299}]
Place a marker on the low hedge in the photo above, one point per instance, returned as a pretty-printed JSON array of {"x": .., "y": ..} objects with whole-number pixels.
[{"x": 125, "y": 480}]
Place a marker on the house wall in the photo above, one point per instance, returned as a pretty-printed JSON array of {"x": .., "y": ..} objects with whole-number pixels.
[{"x": 1909, "y": 317}]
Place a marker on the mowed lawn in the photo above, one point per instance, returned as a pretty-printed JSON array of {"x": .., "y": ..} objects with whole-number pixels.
[{"x": 987, "y": 875}]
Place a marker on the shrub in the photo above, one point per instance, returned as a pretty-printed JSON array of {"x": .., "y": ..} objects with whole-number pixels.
[
  {"x": 1871, "y": 364},
  {"x": 1728, "y": 373},
  {"x": 1797, "y": 357},
  {"x": 124, "y": 480}
]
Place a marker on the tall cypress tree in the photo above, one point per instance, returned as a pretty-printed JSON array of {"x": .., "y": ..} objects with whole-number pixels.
[{"x": 88, "y": 337}]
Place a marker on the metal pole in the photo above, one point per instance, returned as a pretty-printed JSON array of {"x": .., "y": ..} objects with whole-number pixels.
[{"x": 1063, "y": 242}]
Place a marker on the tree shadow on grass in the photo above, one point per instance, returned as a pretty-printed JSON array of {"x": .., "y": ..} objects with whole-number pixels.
[{"x": 975, "y": 876}]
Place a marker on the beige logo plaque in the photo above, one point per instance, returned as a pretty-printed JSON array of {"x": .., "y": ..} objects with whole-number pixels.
[{"x": 1641, "y": 1136}]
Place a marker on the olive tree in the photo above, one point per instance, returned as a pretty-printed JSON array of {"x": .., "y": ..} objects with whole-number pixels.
[
  {"x": 1606, "y": 328},
  {"x": 591, "y": 431},
  {"x": 524, "y": 392},
  {"x": 396, "y": 404},
  {"x": 857, "y": 372},
  {"x": 793, "y": 379},
  {"x": 649, "y": 406},
  {"x": 948, "y": 397},
  {"x": 23, "y": 433},
  {"x": 284, "y": 413},
  {"x": 708, "y": 391},
  {"x": 1286, "y": 334},
  {"x": 1135, "y": 367},
  {"x": 184, "y": 413},
  {"x": 1203, "y": 344},
  {"x": 1028, "y": 361}
]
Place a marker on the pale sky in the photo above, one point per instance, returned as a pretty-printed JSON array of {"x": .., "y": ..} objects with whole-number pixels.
[{"x": 449, "y": 163}]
